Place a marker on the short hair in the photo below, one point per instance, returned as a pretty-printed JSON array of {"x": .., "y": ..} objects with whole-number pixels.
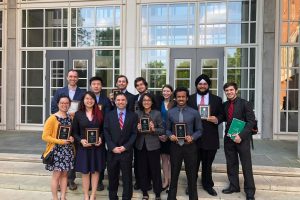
[
  {"x": 138, "y": 79},
  {"x": 73, "y": 70},
  {"x": 120, "y": 94},
  {"x": 96, "y": 78},
  {"x": 121, "y": 76},
  {"x": 140, "y": 102},
  {"x": 181, "y": 89},
  {"x": 233, "y": 84},
  {"x": 63, "y": 96}
]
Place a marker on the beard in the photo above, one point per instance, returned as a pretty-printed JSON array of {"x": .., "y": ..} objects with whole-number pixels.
[{"x": 203, "y": 93}]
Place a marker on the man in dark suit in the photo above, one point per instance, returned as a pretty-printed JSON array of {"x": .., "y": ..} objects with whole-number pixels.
[
  {"x": 209, "y": 142},
  {"x": 122, "y": 83},
  {"x": 103, "y": 102},
  {"x": 120, "y": 129},
  {"x": 75, "y": 94},
  {"x": 239, "y": 146}
]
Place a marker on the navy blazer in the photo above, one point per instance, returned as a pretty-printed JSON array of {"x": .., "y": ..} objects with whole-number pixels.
[
  {"x": 114, "y": 136},
  {"x": 105, "y": 102},
  {"x": 65, "y": 92},
  {"x": 210, "y": 137}
]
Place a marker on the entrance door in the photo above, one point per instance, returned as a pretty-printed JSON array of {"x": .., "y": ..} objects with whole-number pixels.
[
  {"x": 58, "y": 63},
  {"x": 187, "y": 64}
]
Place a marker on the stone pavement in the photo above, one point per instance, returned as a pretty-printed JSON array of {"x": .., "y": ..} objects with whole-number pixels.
[{"x": 22, "y": 175}]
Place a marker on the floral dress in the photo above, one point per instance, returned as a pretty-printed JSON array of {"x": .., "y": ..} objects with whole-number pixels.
[{"x": 63, "y": 154}]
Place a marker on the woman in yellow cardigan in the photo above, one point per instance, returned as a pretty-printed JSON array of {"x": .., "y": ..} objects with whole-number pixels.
[{"x": 62, "y": 148}]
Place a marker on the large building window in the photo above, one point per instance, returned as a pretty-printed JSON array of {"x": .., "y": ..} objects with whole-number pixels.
[
  {"x": 98, "y": 26},
  {"x": 32, "y": 87},
  {"x": 45, "y": 28},
  {"x": 289, "y": 64}
]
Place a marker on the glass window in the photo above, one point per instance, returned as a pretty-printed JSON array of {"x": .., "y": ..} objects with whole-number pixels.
[
  {"x": 32, "y": 83},
  {"x": 44, "y": 27},
  {"x": 95, "y": 26}
]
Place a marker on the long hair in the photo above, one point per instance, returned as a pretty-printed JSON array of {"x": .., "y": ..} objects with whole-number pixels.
[
  {"x": 140, "y": 103},
  {"x": 97, "y": 114}
]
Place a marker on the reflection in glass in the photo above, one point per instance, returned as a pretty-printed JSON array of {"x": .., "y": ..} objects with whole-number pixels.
[
  {"x": 53, "y": 37},
  {"x": 216, "y": 12},
  {"x": 53, "y": 18},
  {"x": 107, "y": 77},
  {"x": 144, "y": 15},
  {"x": 293, "y": 80},
  {"x": 283, "y": 116},
  {"x": 216, "y": 34},
  {"x": 237, "y": 33},
  {"x": 238, "y": 11},
  {"x": 85, "y": 37},
  {"x": 85, "y": 17},
  {"x": 212, "y": 73},
  {"x": 284, "y": 32},
  {"x": 158, "y": 35},
  {"x": 253, "y": 10},
  {"x": 202, "y": 12},
  {"x": 239, "y": 76},
  {"x": 104, "y": 37},
  {"x": 158, "y": 14},
  {"x": 34, "y": 96},
  {"x": 209, "y": 63},
  {"x": 182, "y": 73},
  {"x": 243, "y": 94},
  {"x": 155, "y": 78},
  {"x": 58, "y": 83},
  {"x": 178, "y": 13},
  {"x": 294, "y": 56},
  {"x": 292, "y": 121},
  {"x": 252, "y": 97},
  {"x": 104, "y": 59},
  {"x": 182, "y": 83},
  {"x": 35, "y": 18},
  {"x": 179, "y": 35},
  {"x": 105, "y": 16},
  {"x": 117, "y": 59},
  {"x": 252, "y": 32},
  {"x": 57, "y": 73},
  {"x": 117, "y": 36},
  {"x": 252, "y": 78},
  {"x": 252, "y": 57},
  {"x": 237, "y": 57},
  {"x": 80, "y": 64},
  {"x": 35, "y": 37},
  {"x": 294, "y": 28},
  {"x": 182, "y": 63}
]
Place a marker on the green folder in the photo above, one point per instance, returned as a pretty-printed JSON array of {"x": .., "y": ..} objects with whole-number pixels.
[{"x": 236, "y": 127}]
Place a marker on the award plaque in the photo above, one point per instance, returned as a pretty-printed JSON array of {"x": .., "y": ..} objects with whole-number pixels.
[
  {"x": 74, "y": 106},
  {"x": 180, "y": 130},
  {"x": 64, "y": 132},
  {"x": 204, "y": 111},
  {"x": 116, "y": 92},
  {"x": 145, "y": 124},
  {"x": 100, "y": 106},
  {"x": 92, "y": 135}
]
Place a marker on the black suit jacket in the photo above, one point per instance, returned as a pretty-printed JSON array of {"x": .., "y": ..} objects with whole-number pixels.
[
  {"x": 243, "y": 110},
  {"x": 210, "y": 137},
  {"x": 116, "y": 137},
  {"x": 130, "y": 101}
]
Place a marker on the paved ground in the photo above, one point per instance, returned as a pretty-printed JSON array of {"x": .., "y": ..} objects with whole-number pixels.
[{"x": 265, "y": 153}]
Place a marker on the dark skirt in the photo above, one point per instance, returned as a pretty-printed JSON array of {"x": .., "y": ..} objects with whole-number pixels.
[
  {"x": 90, "y": 160},
  {"x": 165, "y": 147},
  {"x": 63, "y": 158}
]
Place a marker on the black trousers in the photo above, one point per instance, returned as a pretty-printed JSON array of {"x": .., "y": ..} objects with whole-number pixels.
[
  {"x": 135, "y": 167},
  {"x": 115, "y": 164},
  {"x": 149, "y": 169},
  {"x": 207, "y": 158},
  {"x": 188, "y": 154},
  {"x": 233, "y": 152}
]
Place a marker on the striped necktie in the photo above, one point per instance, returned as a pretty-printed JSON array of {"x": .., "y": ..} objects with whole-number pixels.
[{"x": 121, "y": 120}]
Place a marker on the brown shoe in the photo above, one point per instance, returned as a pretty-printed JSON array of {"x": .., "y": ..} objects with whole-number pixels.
[{"x": 72, "y": 185}]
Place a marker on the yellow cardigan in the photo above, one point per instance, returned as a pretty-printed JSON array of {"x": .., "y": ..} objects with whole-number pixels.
[{"x": 50, "y": 134}]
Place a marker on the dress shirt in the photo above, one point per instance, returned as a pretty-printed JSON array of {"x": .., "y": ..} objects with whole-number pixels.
[
  {"x": 72, "y": 93},
  {"x": 206, "y": 99},
  {"x": 124, "y": 114},
  {"x": 190, "y": 116}
]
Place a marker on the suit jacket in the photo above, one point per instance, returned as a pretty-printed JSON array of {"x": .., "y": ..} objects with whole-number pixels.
[
  {"x": 151, "y": 140},
  {"x": 243, "y": 110},
  {"x": 116, "y": 137},
  {"x": 65, "y": 91},
  {"x": 105, "y": 102},
  {"x": 210, "y": 137}
]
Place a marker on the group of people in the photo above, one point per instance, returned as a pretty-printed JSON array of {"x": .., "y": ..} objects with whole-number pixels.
[{"x": 124, "y": 139}]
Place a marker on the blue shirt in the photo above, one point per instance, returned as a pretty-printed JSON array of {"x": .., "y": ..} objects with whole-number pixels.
[{"x": 124, "y": 114}]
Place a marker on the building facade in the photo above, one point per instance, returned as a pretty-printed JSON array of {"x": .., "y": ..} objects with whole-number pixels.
[{"x": 252, "y": 42}]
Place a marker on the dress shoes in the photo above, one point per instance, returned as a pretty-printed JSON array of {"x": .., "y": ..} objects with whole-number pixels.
[
  {"x": 250, "y": 198},
  {"x": 136, "y": 186},
  {"x": 72, "y": 185},
  {"x": 211, "y": 191},
  {"x": 100, "y": 187},
  {"x": 229, "y": 190}
]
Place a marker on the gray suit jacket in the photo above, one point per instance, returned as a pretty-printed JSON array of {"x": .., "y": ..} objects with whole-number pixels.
[{"x": 150, "y": 139}]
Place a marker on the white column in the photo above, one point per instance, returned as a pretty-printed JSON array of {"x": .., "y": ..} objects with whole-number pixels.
[{"x": 130, "y": 32}]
